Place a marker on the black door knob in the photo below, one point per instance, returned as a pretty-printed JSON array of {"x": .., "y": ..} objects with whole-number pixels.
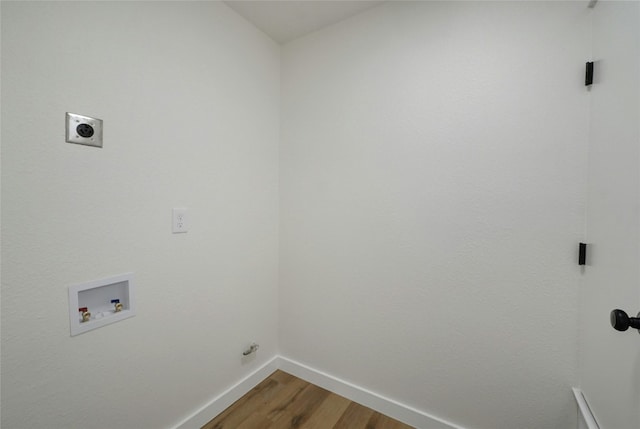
[{"x": 621, "y": 321}]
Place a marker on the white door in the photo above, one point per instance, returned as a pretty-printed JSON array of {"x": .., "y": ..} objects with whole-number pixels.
[{"x": 610, "y": 360}]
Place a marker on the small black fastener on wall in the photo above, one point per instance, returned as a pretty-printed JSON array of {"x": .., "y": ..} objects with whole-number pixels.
[
  {"x": 582, "y": 254},
  {"x": 588, "y": 76}
]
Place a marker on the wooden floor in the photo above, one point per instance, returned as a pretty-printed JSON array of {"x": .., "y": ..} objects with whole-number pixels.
[{"x": 284, "y": 401}]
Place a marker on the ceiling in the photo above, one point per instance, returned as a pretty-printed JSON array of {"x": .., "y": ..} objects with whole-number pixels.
[{"x": 286, "y": 20}]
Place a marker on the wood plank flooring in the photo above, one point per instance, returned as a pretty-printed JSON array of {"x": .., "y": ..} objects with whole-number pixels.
[{"x": 283, "y": 401}]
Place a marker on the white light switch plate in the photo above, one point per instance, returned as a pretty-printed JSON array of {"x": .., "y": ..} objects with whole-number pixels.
[{"x": 180, "y": 221}]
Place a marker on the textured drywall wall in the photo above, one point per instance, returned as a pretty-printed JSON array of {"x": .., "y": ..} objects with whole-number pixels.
[
  {"x": 432, "y": 198},
  {"x": 188, "y": 92},
  {"x": 610, "y": 360}
]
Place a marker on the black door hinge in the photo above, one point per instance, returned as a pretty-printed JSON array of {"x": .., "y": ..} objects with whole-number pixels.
[
  {"x": 582, "y": 254},
  {"x": 588, "y": 76}
]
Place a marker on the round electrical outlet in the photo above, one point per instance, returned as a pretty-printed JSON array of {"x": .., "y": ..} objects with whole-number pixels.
[{"x": 84, "y": 130}]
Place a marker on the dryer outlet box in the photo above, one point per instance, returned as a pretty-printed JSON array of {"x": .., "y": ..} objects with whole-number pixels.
[{"x": 83, "y": 130}]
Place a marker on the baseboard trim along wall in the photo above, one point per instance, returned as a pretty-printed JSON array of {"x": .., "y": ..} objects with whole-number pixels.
[
  {"x": 586, "y": 419},
  {"x": 389, "y": 407},
  {"x": 228, "y": 397}
]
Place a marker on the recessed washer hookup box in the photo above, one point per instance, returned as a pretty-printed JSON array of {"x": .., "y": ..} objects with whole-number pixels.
[{"x": 100, "y": 302}]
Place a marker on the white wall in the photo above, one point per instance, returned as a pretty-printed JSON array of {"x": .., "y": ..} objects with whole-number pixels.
[
  {"x": 432, "y": 198},
  {"x": 188, "y": 92},
  {"x": 432, "y": 195},
  {"x": 610, "y": 360}
]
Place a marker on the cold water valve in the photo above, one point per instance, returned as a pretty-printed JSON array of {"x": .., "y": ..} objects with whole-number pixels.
[{"x": 117, "y": 305}]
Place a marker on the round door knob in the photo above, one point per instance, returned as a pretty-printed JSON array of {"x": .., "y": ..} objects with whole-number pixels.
[{"x": 621, "y": 321}]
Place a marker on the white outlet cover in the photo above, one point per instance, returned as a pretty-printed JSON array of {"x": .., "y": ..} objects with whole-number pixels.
[
  {"x": 92, "y": 130},
  {"x": 180, "y": 221}
]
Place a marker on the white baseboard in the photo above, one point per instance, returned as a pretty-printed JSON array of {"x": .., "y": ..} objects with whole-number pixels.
[
  {"x": 386, "y": 406},
  {"x": 389, "y": 407},
  {"x": 228, "y": 397},
  {"x": 586, "y": 419}
]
